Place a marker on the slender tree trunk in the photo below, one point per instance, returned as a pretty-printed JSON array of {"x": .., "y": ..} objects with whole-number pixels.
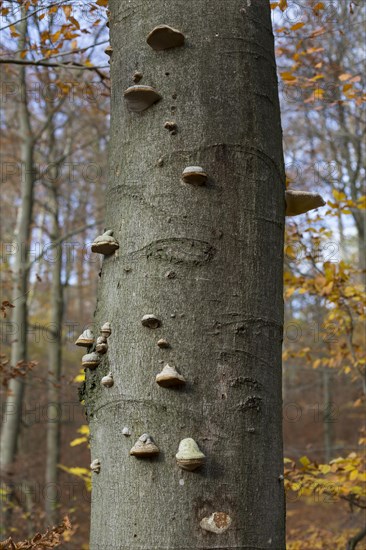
[
  {"x": 55, "y": 360},
  {"x": 327, "y": 416},
  {"x": 13, "y": 406},
  {"x": 208, "y": 262}
]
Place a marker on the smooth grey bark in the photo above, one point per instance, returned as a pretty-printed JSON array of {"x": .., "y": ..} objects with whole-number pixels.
[
  {"x": 13, "y": 405},
  {"x": 208, "y": 261}
]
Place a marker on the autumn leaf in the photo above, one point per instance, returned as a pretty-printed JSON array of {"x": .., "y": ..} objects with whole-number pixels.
[
  {"x": 282, "y": 5},
  {"x": 288, "y": 76},
  {"x": 297, "y": 26},
  {"x": 345, "y": 76}
]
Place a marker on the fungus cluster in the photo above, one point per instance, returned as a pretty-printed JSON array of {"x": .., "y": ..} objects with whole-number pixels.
[{"x": 92, "y": 359}]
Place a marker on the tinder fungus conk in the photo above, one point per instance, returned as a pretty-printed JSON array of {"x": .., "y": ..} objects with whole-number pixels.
[
  {"x": 140, "y": 97},
  {"x": 299, "y": 202},
  {"x": 106, "y": 330},
  {"x": 95, "y": 466},
  {"x": 162, "y": 343},
  {"x": 144, "y": 447},
  {"x": 195, "y": 175},
  {"x": 189, "y": 457},
  {"x": 105, "y": 244},
  {"x": 164, "y": 37},
  {"x": 101, "y": 345},
  {"x": 169, "y": 377},
  {"x": 107, "y": 381},
  {"x": 85, "y": 339},
  {"x": 150, "y": 321},
  {"x": 90, "y": 360}
]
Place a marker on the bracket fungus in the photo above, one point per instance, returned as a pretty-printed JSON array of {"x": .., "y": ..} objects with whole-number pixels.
[
  {"x": 85, "y": 339},
  {"x": 105, "y": 244},
  {"x": 299, "y": 202},
  {"x": 162, "y": 343},
  {"x": 150, "y": 321},
  {"x": 169, "y": 377},
  {"x": 101, "y": 346},
  {"x": 107, "y": 381},
  {"x": 218, "y": 523},
  {"x": 126, "y": 431},
  {"x": 164, "y": 37},
  {"x": 90, "y": 360},
  {"x": 189, "y": 457},
  {"x": 137, "y": 76},
  {"x": 95, "y": 466},
  {"x": 108, "y": 50},
  {"x": 171, "y": 125},
  {"x": 140, "y": 97},
  {"x": 195, "y": 175},
  {"x": 144, "y": 447},
  {"x": 106, "y": 330}
]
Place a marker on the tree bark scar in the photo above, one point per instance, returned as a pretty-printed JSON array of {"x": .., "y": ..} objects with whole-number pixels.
[{"x": 179, "y": 250}]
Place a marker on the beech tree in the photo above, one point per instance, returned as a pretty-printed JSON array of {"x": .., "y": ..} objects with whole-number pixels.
[{"x": 200, "y": 261}]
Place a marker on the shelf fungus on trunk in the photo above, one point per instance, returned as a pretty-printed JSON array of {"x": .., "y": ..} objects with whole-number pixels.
[
  {"x": 106, "y": 330},
  {"x": 140, "y": 97},
  {"x": 90, "y": 360},
  {"x": 102, "y": 345},
  {"x": 150, "y": 321},
  {"x": 189, "y": 457},
  {"x": 162, "y": 343},
  {"x": 105, "y": 244},
  {"x": 108, "y": 51},
  {"x": 195, "y": 175},
  {"x": 107, "y": 381},
  {"x": 170, "y": 377},
  {"x": 95, "y": 466},
  {"x": 299, "y": 202},
  {"x": 85, "y": 339},
  {"x": 164, "y": 37},
  {"x": 126, "y": 431},
  {"x": 218, "y": 523},
  {"x": 145, "y": 447}
]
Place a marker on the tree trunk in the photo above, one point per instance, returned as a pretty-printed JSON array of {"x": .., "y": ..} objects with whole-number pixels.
[
  {"x": 208, "y": 262},
  {"x": 54, "y": 353},
  {"x": 13, "y": 406},
  {"x": 327, "y": 415}
]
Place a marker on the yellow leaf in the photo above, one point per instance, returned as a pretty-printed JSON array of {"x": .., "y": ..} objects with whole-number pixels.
[
  {"x": 80, "y": 378},
  {"x": 338, "y": 195},
  {"x": 347, "y": 87},
  {"x": 288, "y": 76},
  {"x": 75, "y": 21},
  {"x": 305, "y": 461},
  {"x": 103, "y": 3},
  {"x": 56, "y": 36},
  {"x": 353, "y": 475},
  {"x": 344, "y": 76},
  {"x": 317, "y": 363},
  {"x": 274, "y": 5},
  {"x": 319, "y": 6},
  {"x": 297, "y": 26},
  {"x": 324, "y": 468},
  {"x": 84, "y": 429},
  {"x": 283, "y": 5},
  {"x": 78, "y": 441},
  {"x": 13, "y": 31},
  {"x": 67, "y": 11}
]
